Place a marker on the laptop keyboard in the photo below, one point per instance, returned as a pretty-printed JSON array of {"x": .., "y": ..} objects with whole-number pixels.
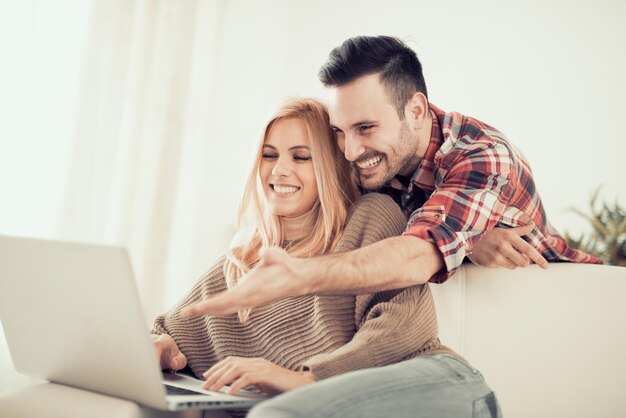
[{"x": 173, "y": 390}]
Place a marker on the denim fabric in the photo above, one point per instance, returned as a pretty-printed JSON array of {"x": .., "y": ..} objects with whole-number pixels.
[{"x": 426, "y": 386}]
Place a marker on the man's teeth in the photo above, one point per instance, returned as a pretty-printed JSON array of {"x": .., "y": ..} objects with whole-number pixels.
[
  {"x": 286, "y": 189},
  {"x": 369, "y": 162}
]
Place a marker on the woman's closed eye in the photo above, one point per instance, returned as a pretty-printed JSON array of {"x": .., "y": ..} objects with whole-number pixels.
[
  {"x": 302, "y": 158},
  {"x": 269, "y": 156}
]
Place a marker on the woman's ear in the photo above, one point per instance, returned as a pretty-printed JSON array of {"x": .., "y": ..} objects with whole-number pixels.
[{"x": 417, "y": 111}]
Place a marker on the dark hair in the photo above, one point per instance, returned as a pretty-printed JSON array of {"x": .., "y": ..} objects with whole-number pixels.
[{"x": 400, "y": 69}]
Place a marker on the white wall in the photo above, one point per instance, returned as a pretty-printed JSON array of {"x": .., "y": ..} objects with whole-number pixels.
[{"x": 548, "y": 74}]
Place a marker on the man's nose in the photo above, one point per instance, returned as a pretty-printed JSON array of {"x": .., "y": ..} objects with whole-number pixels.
[{"x": 353, "y": 147}]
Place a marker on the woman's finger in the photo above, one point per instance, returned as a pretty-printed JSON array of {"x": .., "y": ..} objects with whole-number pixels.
[
  {"x": 226, "y": 378},
  {"x": 214, "y": 373},
  {"x": 244, "y": 380}
]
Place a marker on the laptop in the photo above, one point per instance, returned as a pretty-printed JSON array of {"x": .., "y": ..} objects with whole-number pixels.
[{"x": 71, "y": 314}]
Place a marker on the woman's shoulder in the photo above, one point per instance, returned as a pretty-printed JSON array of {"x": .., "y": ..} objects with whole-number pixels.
[
  {"x": 374, "y": 216},
  {"x": 375, "y": 203}
]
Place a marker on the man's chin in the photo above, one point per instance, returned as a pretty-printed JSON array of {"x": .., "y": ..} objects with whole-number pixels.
[
  {"x": 375, "y": 179},
  {"x": 371, "y": 184}
]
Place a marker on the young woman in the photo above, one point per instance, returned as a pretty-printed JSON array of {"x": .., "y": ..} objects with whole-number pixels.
[{"x": 300, "y": 196}]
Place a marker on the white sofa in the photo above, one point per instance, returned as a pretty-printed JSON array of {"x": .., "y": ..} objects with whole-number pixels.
[{"x": 550, "y": 343}]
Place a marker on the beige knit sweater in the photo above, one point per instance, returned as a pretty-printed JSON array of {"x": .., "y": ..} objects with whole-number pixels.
[{"x": 328, "y": 335}]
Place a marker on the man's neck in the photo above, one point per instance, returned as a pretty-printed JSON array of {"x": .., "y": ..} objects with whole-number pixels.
[{"x": 422, "y": 136}]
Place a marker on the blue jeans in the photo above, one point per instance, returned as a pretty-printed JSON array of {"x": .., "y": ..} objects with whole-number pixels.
[{"x": 427, "y": 386}]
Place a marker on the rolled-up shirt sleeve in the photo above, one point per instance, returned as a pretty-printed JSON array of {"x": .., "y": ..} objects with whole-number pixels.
[{"x": 470, "y": 201}]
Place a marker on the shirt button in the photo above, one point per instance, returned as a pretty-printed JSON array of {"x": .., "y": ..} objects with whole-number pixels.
[{"x": 438, "y": 216}]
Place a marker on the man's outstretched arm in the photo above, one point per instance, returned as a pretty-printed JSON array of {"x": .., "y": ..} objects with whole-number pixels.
[{"x": 392, "y": 263}]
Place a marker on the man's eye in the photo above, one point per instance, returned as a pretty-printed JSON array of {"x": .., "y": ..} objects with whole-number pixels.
[{"x": 365, "y": 128}]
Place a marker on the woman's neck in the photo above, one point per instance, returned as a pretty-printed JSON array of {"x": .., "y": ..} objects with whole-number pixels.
[{"x": 295, "y": 229}]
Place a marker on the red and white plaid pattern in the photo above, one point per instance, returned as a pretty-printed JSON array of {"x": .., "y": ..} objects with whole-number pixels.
[{"x": 478, "y": 180}]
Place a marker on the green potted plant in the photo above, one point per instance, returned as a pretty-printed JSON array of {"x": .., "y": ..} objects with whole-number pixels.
[{"x": 607, "y": 239}]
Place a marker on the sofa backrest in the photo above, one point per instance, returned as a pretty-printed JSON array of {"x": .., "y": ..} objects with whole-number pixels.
[{"x": 551, "y": 343}]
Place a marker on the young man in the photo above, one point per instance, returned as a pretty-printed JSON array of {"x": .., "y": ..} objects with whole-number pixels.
[{"x": 457, "y": 179}]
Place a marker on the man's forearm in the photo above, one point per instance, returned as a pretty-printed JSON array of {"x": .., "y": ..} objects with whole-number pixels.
[{"x": 392, "y": 263}]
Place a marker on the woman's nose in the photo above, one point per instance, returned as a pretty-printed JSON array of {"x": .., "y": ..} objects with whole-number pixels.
[{"x": 281, "y": 168}]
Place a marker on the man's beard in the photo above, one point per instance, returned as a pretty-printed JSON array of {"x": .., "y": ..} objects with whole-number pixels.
[
  {"x": 370, "y": 187},
  {"x": 398, "y": 167}
]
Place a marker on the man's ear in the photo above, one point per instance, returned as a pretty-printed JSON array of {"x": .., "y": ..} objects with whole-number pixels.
[{"x": 417, "y": 110}]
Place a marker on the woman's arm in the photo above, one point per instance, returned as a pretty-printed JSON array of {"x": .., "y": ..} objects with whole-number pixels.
[{"x": 391, "y": 325}]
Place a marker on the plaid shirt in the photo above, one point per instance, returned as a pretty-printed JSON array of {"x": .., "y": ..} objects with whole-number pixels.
[{"x": 474, "y": 180}]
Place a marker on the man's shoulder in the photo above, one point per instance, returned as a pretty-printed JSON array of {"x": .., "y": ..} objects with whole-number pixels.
[
  {"x": 465, "y": 137},
  {"x": 459, "y": 124},
  {"x": 461, "y": 132}
]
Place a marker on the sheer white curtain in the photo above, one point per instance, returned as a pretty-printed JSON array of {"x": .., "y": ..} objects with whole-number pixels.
[
  {"x": 108, "y": 136},
  {"x": 172, "y": 99},
  {"x": 120, "y": 161},
  {"x": 41, "y": 53},
  {"x": 132, "y": 152},
  {"x": 134, "y": 123},
  {"x": 137, "y": 119}
]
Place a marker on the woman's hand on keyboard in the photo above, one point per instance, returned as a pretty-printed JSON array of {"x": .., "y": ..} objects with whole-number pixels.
[{"x": 239, "y": 372}]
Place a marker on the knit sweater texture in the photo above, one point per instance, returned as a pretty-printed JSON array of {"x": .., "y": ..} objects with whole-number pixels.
[{"x": 326, "y": 335}]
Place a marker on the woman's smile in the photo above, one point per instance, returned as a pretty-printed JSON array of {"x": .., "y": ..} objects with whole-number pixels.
[{"x": 284, "y": 190}]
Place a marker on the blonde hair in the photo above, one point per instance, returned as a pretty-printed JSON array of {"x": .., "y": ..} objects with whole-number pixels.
[{"x": 336, "y": 191}]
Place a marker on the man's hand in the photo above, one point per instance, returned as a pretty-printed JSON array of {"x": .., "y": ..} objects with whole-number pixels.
[
  {"x": 239, "y": 372},
  {"x": 168, "y": 353},
  {"x": 272, "y": 278},
  {"x": 505, "y": 247}
]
